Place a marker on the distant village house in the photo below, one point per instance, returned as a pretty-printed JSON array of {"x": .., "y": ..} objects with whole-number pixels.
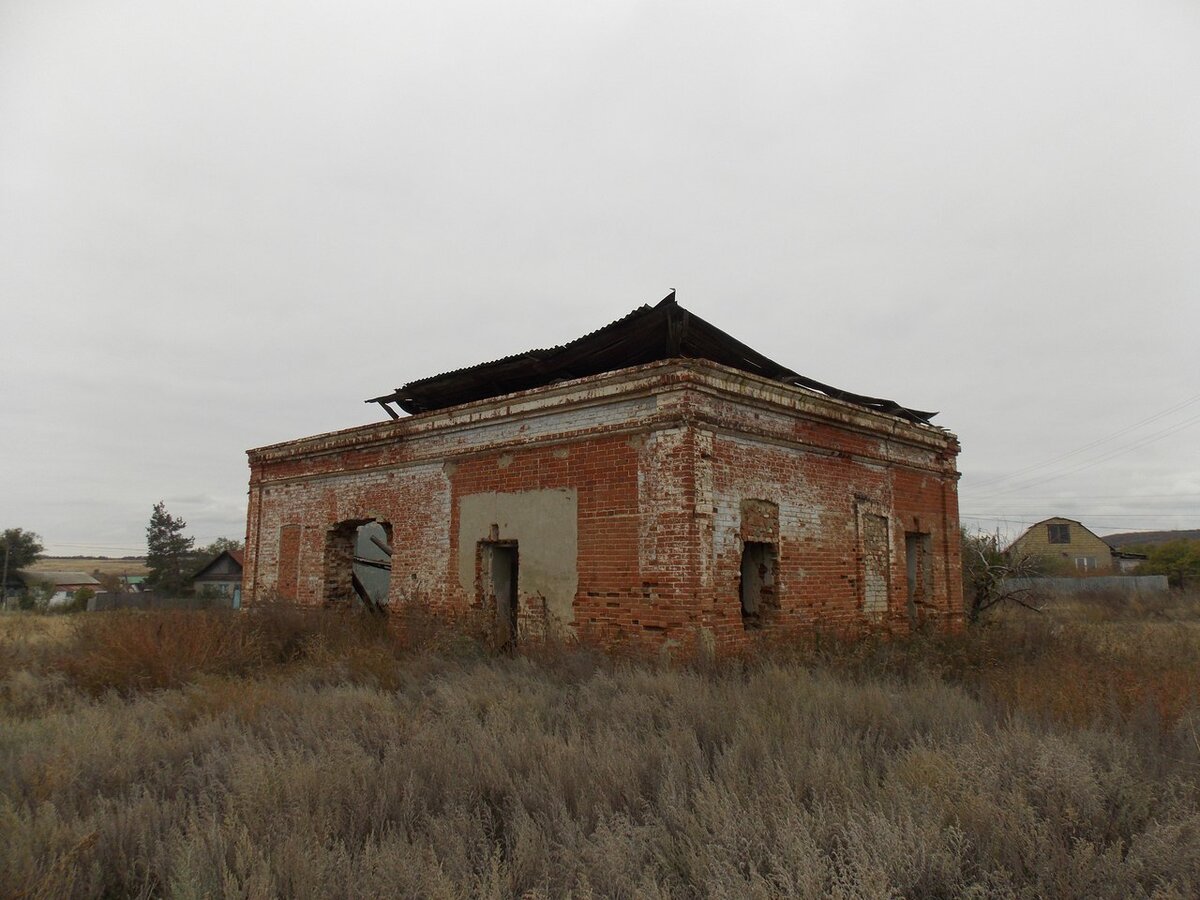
[
  {"x": 64, "y": 584},
  {"x": 221, "y": 577},
  {"x": 1064, "y": 546}
]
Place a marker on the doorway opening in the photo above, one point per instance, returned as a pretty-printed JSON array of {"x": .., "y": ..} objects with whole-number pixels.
[
  {"x": 760, "y": 600},
  {"x": 918, "y": 556},
  {"x": 500, "y": 579}
]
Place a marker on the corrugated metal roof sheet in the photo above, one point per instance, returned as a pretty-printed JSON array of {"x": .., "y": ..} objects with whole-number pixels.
[{"x": 647, "y": 334}]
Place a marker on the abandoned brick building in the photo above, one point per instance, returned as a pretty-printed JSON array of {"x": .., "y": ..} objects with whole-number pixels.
[{"x": 655, "y": 478}]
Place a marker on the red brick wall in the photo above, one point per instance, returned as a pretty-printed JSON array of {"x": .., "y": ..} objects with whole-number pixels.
[
  {"x": 824, "y": 487},
  {"x": 604, "y": 473},
  {"x": 660, "y": 461}
]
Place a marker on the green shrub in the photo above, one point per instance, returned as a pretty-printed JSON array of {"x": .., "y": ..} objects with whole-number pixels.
[{"x": 78, "y": 602}]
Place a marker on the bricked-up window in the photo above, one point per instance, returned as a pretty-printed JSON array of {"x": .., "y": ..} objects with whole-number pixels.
[
  {"x": 1059, "y": 534},
  {"x": 876, "y": 563},
  {"x": 287, "y": 578},
  {"x": 499, "y": 582},
  {"x": 757, "y": 590},
  {"x": 358, "y": 564}
]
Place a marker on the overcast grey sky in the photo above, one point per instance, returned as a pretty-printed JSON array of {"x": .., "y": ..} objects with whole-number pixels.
[{"x": 225, "y": 224}]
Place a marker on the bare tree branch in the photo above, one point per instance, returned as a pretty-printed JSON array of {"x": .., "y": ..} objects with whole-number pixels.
[{"x": 986, "y": 569}]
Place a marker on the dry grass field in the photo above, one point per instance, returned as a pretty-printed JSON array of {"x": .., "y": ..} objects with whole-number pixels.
[
  {"x": 280, "y": 753},
  {"x": 90, "y": 564}
]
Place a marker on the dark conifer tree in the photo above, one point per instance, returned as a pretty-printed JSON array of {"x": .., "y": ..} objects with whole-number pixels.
[{"x": 168, "y": 551}]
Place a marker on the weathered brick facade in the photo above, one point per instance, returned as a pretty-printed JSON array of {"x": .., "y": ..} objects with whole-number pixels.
[{"x": 678, "y": 500}]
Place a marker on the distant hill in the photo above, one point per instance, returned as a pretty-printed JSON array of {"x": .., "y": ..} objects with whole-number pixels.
[{"x": 1132, "y": 538}]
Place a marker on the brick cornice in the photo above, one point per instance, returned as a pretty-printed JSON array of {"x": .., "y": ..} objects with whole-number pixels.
[{"x": 668, "y": 380}]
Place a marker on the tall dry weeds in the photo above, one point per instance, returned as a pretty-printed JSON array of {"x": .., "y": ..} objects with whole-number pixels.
[{"x": 885, "y": 768}]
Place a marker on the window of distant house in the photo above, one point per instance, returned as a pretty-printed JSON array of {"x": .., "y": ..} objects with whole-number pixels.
[
  {"x": 1059, "y": 534},
  {"x": 1085, "y": 563}
]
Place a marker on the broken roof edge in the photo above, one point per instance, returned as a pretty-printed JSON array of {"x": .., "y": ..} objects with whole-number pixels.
[
  {"x": 401, "y": 425},
  {"x": 595, "y": 389},
  {"x": 395, "y": 397},
  {"x": 644, "y": 308},
  {"x": 646, "y": 334}
]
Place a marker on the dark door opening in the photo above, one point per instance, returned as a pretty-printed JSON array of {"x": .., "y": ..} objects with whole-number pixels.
[
  {"x": 918, "y": 557},
  {"x": 501, "y": 564},
  {"x": 757, "y": 588}
]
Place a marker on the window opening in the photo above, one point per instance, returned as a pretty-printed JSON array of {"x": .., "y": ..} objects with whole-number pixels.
[
  {"x": 757, "y": 589},
  {"x": 373, "y": 564},
  {"x": 1059, "y": 534},
  {"x": 358, "y": 564}
]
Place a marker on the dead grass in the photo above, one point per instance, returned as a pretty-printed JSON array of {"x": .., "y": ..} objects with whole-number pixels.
[
  {"x": 131, "y": 652},
  {"x": 90, "y": 564},
  {"x": 1075, "y": 673},
  {"x": 20, "y": 630},
  {"x": 305, "y": 755},
  {"x": 1109, "y": 606}
]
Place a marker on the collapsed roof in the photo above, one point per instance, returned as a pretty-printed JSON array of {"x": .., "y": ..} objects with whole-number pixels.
[{"x": 648, "y": 334}]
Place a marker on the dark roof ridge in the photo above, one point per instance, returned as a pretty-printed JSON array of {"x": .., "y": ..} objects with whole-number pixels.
[{"x": 646, "y": 334}]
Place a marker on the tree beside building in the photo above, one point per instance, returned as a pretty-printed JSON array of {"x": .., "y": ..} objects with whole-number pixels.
[{"x": 168, "y": 551}]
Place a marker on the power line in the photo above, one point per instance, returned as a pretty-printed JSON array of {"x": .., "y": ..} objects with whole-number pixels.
[
  {"x": 1187, "y": 423},
  {"x": 1091, "y": 522},
  {"x": 1107, "y": 515},
  {"x": 1132, "y": 497},
  {"x": 1095, "y": 443}
]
